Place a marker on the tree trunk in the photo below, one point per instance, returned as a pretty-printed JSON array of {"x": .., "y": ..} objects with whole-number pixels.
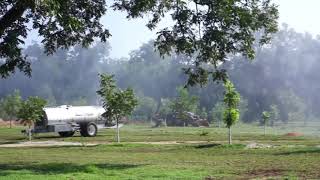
[
  {"x": 165, "y": 122},
  {"x": 29, "y": 133},
  {"x": 264, "y": 129},
  {"x": 230, "y": 139},
  {"x": 183, "y": 129},
  {"x": 158, "y": 105},
  {"x": 118, "y": 132},
  {"x": 10, "y": 123}
]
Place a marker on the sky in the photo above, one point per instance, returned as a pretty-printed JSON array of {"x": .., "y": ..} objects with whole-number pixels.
[{"x": 128, "y": 35}]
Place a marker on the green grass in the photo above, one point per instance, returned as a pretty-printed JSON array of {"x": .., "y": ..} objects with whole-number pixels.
[
  {"x": 130, "y": 133},
  {"x": 130, "y": 160}
]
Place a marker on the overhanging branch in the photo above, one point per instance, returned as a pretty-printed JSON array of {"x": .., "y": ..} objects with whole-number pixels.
[{"x": 14, "y": 14}]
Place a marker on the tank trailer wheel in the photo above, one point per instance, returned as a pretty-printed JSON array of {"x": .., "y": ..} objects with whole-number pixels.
[
  {"x": 89, "y": 130},
  {"x": 83, "y": 133},
  {"x": 66, "y": 133}
]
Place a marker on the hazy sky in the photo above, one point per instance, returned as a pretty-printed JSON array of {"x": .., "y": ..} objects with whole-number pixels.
[{"x": 302, "y": 15}]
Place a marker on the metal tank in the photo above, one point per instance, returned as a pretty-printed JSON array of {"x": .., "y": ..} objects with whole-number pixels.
[
  {"x": 73, "y": 114},
  {"x": 66, "y": 120}
]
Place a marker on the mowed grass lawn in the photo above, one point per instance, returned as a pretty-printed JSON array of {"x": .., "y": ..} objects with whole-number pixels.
[{"x": 291, "y": 157}]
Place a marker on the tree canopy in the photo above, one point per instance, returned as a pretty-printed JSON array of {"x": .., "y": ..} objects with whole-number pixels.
[
  {"x": 206, "y": 31},
  {"x": 231, "y": 101},
  {"x": 11, "y": 105},
  {"x": 60, "y": 24},
  {"x": 31, "y": 110},
  {"x": 184, "y": 103},
  {"x": 116, "y": 102},
  {"x": 231, "y": 112},
  {"x": 209, "y": 31},
  {"x": 265, "y": 116}
]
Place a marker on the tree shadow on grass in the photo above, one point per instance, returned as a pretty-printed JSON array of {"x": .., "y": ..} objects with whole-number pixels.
[
  {"x": 304, "y": 151},
  {"x": 48, "y": 137},
  {"x": 61, "y": 168},
  {"x": 203, "y": 146},
  {"x": 56, "y": 136},
  {"x": 220, "y": 146},
  {"x": 13, "y": 140}
]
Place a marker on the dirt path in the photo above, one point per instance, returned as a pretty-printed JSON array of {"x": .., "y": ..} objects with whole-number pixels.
[
  {"x": 64, "y": 143},
  {"x": 249, "y": 144},
  {"x": 174, "y": 142},
  {"x": 45, "y": 144}
]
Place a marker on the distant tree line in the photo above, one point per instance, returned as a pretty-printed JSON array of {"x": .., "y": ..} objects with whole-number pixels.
[{"x": 283, "y": 79}]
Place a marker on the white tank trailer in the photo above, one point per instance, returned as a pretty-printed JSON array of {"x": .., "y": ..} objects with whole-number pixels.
[{"x": 66, "y": 120}]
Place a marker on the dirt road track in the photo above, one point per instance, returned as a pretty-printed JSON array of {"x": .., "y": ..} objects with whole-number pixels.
[{"x": 64, "y": 143}]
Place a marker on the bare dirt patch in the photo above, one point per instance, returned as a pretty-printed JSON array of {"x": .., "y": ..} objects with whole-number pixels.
[
  {"x": 294, "y": 134},
  {"x": 265, "y": 174},
  {"x": 258, "y": 146},
  {"x": 46, "y": 144}
]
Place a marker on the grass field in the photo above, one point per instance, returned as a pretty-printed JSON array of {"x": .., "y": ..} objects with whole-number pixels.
[{"x": 291, "y": 157}]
